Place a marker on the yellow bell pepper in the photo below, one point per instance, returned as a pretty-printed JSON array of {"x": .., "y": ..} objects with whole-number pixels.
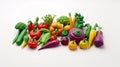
[
  {"x": 72, "y": 45},
  {"x": 83, "y": 44}
]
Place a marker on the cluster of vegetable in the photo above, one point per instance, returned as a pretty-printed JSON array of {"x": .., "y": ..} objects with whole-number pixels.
[{"x": 66, "y": 30}]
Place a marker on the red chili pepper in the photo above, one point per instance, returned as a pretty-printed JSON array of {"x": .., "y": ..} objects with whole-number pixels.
[
  {"x": 32, "y": 43},
  {"x": 52, "y": 38},
  {"x": 30, "y": 26},
  {"x": 35, "y": 33},
  {"x": 42, "y": 25}
]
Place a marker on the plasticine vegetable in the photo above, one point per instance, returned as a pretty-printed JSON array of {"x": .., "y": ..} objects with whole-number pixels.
[
  {"x": 25, "y": 40},
  {"x": 92, "y": 35},
  {"x": 83, "y": 44},
  {"x": 79, "y": 21},
  {"x": 76, "y": 34},
  {"x": 48, "y": 19},
  {"x": 35, "y": 33},
  {"x": 30, "y": 26},
  {"x": 36, "y": 21},
  {"x": 53, "y": 38},
  {"x": 67, "y": 27},
  {"x": 44, "y": 37},
  {"x": 71, "y": 21},
  {"x": 42, "y": 25},
  {"x": 98, "y": 41},
  {"x": 64, "y": 32},
  {"x": 87, "y": 31},
  {"x": 32, "y": 43},
  {"x": 63, "y": 20},
  {"x": 64, "y": 40},
  {"x": 72, "y": 45},
  {"x": 20, "y": 37},
  {"x": 20, "y": 26},
  {"x": 51, "y": 44},
  {"x": 56, "y": 28}
]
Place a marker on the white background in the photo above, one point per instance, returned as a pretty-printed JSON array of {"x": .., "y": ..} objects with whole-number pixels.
[{"x": 104, "y": 12}]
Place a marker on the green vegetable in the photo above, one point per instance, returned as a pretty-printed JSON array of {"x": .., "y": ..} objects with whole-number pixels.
[
  {"x": 20, "y": 37},
  {"x": 48, "y": 19},
  {"x": 20, "y": 26},
  {"x": 63, "y": 20},
  {"x": 77, "y": 32},
  {"x": 79, "y": 21},
  {"x": 25, "y": 40},
  {"x": 36, "y": 21},
  {"x": 44, "y": 37},
  {"x": 14, "y": 40},
  {"x": 87, "y": 31},
  {"x": 64, "y": 32}
]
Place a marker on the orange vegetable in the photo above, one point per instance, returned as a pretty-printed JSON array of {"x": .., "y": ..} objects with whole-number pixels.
[
  {"x": 71, "y": 20},
  {"x": 72, "y": 45},
  {"x": 67, "y": 27},
  {"x": 74, "y": 19},
  {"x": 56, "y": 28}
]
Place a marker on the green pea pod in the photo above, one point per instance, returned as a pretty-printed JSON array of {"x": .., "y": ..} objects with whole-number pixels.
[{"x": 87, "y": 31}]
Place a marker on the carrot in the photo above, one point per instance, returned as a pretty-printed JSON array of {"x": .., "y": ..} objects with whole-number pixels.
[
  {"x": 71, "y": 21},
  {"x": 74, "y": 19},
  {"x": 92, "y": 35}
]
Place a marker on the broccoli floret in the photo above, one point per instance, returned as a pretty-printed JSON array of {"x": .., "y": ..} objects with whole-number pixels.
[
  {"x": 63, "y": 20},
  {"x": 20, "y": 26}
]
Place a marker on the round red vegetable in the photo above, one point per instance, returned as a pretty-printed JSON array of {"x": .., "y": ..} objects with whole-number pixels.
[{"x": 32, "y": 43}]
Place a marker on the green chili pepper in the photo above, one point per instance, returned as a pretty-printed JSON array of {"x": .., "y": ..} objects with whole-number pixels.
[
  {"x": 87, "y": 31},
  {"x": 64, "y": 32}
]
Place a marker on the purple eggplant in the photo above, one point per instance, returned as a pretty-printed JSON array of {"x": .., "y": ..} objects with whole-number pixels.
[
  {"x": 51, "y": 44},
  {"x": 76, "y": 34},
  {"x": 98, "y": 41},
  {"x": 64, "y": 40}
]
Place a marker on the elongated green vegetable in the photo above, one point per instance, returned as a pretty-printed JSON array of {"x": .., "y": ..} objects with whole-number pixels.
[
  {"x": 87, "y": 31},
  {"x": 14, "y": 40},
  {"x": 20, "y": 37},
  {"x": 25, "y": 40},
  {"x": 44, "y": 37}
]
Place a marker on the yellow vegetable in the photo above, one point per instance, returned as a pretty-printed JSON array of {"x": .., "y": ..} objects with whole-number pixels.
[
  {"x": 92, "y": 35},
  {"x": 72, "y": 45},
  {"x": 83, "y": 44}
]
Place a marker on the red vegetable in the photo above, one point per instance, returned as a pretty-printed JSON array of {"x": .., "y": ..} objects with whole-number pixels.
[
  {"x": 30, "y": 26},
  {"x": 51, "y": 44},
  {"x": 52, "y": 38},
  {"x": 32, "y": 43},
  {"x": 35, "y": 33},
  {"x": 98, "y": 41},
  {"x": 42, "y": 25}
]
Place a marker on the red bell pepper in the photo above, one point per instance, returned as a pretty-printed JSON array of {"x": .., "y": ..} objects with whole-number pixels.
[
  {"x": 52, "y": 38},
  {"x": 32, "y": 43},
  {"x": 42, "y": 25},
  {"x": 30, "y": 26},
  {"x": 35, "y": 33}
]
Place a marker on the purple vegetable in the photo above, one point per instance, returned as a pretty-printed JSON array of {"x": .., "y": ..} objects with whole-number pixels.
[
  {"x": 51, "y": 44},
  {"x": 98, "y": 41},
  {"x": 76, "y": 34},
  {"x": 64, "y": 40}
]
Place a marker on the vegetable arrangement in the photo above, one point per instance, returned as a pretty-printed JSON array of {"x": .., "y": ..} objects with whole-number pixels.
[{"x": 66, "y": 30}]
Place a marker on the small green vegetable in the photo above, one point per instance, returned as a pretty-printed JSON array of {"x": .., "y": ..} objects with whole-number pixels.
[
  {"x": 20, "y": 37},
  {"x": 63, "y": 20},
  {"x": 25, "y": 40},
  {"x": 64, "y": 32}
]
